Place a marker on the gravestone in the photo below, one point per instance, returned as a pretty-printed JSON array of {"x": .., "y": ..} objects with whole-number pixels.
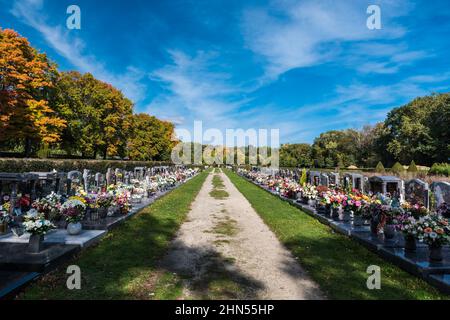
[
  {"x": 110, "y": 177},
  {"x": 334, "y": 179},
  {"x": 314, "y": 178},
  {"x": 74, "y": 180},
  {"x": 99, "y": 181},
  {"x": 441, "y": 192},
  {"x": 139, "y": 173},
  {"x": 324, "y": 180},
  {"x": 61, "y": 183},
  {"x": 127, "y": 177},
  {"x": 417, "y": 192},
  {"x": 119, "y": 175},
  {"x": 86, "y": 178}
]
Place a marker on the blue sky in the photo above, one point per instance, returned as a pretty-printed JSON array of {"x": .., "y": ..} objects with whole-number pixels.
[{"x": 303, "y": 67}]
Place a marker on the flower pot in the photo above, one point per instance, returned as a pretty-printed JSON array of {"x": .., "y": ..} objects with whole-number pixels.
[
  {"x": 335, "y": 213},
  {"x": 410, "y": 244},
  {"x": 312, "y": 203},
  {"x": 36, "y": 243},
  {"x": 102, "y": 212},
  {"x": 358, "y": 221},
  {"x": 305, "y": 200},
  {"x": 3, "y": 227},
  {"x": 435, "y": 253},
  {"x": 74, "y": 228},
  {"x": 320, "y": 208},
  {"x": 389, "y": 231},
  {"x": 347, "y": 216},
  {"x": 93, "y": 214},
  {"x": 374, "y": 225}
]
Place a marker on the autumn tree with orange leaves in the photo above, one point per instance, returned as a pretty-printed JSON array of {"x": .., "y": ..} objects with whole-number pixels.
[{"x": 26, "y": 80}]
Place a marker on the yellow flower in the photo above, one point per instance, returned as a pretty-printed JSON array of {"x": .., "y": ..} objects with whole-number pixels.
[{"x": 78, "y": 198}]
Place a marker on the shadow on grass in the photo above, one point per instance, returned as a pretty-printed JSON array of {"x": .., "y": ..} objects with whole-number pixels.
[{"x": 207, "y": 274}]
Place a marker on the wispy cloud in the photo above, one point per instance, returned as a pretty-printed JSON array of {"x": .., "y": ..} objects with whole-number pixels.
[
  {"x": 292, "y": 34},
  {"x": 72, "y": 48},
  {"x": 194, "y": 89}
]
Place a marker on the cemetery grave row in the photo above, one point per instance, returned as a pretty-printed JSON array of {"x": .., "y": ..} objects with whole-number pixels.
[
  {"x": 46, "y": 217},
  {"x": 404, "y": 222}
]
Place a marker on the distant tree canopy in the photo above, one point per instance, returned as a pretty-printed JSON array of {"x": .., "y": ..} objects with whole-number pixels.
[
  {"x": 418, "y": 131},
  {"x": 70, "y": 111}
]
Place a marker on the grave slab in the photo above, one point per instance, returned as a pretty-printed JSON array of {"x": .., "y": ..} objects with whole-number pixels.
[
  {"x": 15, "y": 256},
  {"x": 12, "y": 281},
  {"x": 60, "y": 236},
  {"x": 442, "y": 281}
]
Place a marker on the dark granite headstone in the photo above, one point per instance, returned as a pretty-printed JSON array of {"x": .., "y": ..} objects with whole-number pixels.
[
  {"x": 441, "y": 192},
  {"x": 417, "y": 192}
]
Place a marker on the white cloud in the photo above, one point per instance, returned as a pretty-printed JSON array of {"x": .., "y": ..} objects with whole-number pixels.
[
  {"x": 32, "y": 13},
  {"x": 292, "y": 34}
]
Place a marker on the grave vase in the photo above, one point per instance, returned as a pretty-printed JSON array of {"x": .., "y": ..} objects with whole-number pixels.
[
  {"x": 358, "y": 221},
  {"x": 347, "y": 215},
  {"x": 36, "y": 243},
  {"x": 335, "y": 212},
  {"x": 74, "y": 228},
  {"x": 374, "y": 225},
  {"x": 102, "y": 212},
  {"x": 410, "y": 243},
  {"x": 3, "y": 227},
  {"x": 312, "y": 203},
  {"x": 389, "y": 231},
  {"x": 435, "y": 252}
]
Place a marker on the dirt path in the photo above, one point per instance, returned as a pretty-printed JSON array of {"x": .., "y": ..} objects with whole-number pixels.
[{"x": 225, "y": 251}]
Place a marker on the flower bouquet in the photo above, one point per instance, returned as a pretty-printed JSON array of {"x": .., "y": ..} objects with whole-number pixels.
[
  {"x": 50, "y": 206},
  {"x": 434, "y": 230},
  {"x": 36, "y": 224},
  {"x": 122, "y": 202},
  {"x": 416, "y": 210},
  {"x": 408, "y": 227}
]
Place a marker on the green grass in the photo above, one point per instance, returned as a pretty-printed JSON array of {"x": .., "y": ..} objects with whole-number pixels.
[
  {"x": 218, "y": 186},
  {"x": 123, "y": 264},
  {"x": 226, "y": 227},
  {"x": 217, "y": 182},
  {"x": 335, "y": 262}
]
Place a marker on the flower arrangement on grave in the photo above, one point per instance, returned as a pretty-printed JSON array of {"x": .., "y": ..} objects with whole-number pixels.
[
  {"x": 309, "y": 192},
  {"x": 434, "y": 230},
  {"x": 408, "y": 227},
  {"x": 416, "y": 210},
  {"x": 122, "y": 202},
  {"x": 73, "y": 209},
  {"x": 35, "y": 223},
  {"x": 104, "y": 200},
  {"x": 23, "y": 201},
  {"x": 50, "y": 206}
]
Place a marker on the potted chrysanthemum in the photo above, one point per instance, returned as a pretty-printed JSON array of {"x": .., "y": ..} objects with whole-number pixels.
[
  {"x": 408, "y": 227},
  {"x": 434, "y": 230},
  {"x": 37, "y": 225},
  {"x": 73, "y": 210}
]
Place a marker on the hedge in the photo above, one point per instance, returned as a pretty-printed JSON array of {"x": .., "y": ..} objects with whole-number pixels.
[{"x": 66, "y": 165}]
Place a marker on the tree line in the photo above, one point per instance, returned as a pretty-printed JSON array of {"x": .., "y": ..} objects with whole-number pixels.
[
  {"x": 418, "y": 131},
  {"x": 43, "y": 108}
]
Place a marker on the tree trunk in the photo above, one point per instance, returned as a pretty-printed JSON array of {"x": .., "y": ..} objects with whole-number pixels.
[{"x": 27, "y": 147}]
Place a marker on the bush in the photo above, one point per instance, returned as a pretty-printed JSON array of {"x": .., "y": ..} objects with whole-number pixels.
[
  {"x": 397, "y": 168},
  {"x": 412, "y": 167},
  {"x": 66, "y": 165},
  {"x": 303, "y": 177},
  {"x": 440, "y": 169},
  {"x": 380, "y": 168}
]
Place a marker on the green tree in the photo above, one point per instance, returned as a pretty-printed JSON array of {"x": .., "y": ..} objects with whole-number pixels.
[{"x": 150, "y": 138}]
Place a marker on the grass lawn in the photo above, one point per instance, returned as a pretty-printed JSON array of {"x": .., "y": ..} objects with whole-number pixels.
[
  {"x": 124, "y": 262},
  {"x": 335, "y": 262}
]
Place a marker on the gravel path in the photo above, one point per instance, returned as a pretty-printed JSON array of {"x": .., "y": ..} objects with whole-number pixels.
[{"x": 225, "y": 251}]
